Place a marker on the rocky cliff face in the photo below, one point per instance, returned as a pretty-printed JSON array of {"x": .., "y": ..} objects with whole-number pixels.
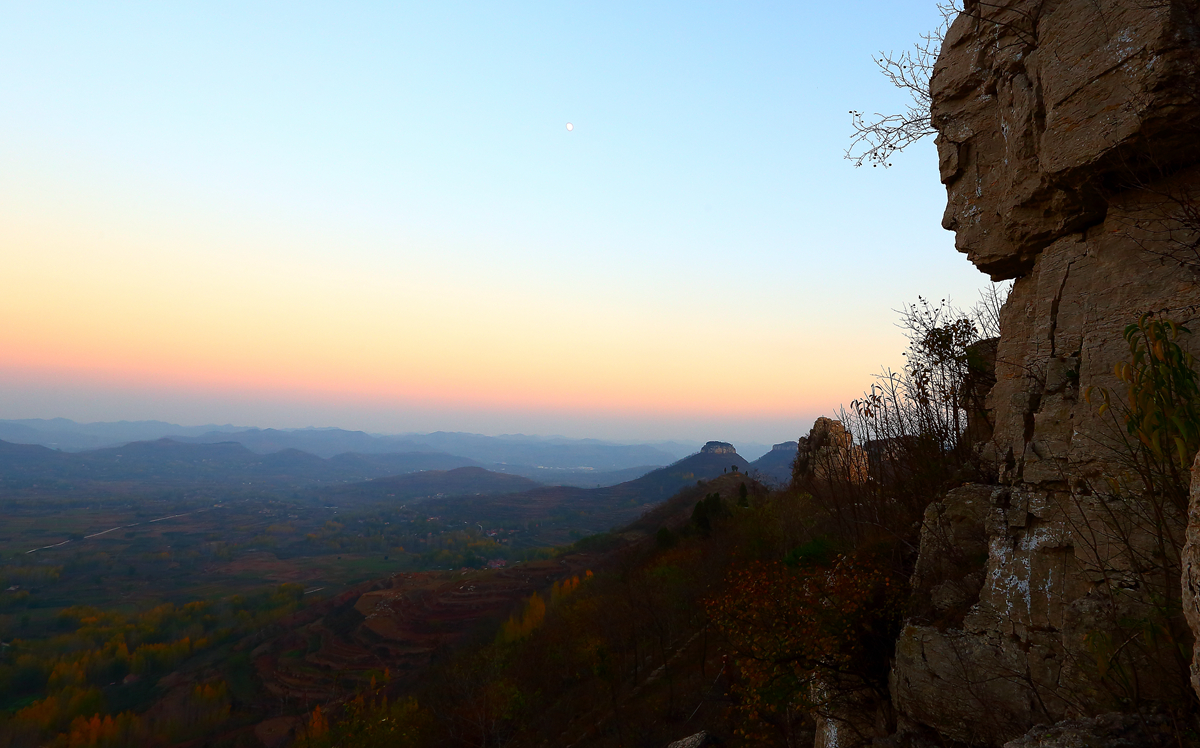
[
  {"x": 718, "y": 448},
  {"x": 1045, "y": 109},
  {"x": 1191, "y": 573},
  {"x": 1068, "y": 140},
  {"x": 829, "y": 452}
]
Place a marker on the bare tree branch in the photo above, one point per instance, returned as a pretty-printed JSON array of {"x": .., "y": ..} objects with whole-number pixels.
[{"x": 876, "y": 137}]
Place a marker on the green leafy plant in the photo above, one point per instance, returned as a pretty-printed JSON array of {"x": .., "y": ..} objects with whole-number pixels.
[
  {"x": 1143, "y": 505},
  {"x": 1161, "y": 408},
  {"x": 1164, "y": 398}
]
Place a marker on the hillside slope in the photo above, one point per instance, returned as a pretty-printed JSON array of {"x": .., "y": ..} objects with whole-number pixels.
[
  {"x": 557, "y": 513},
  {"x": 432, "y": 484},
  {"x": 775, "y": 467}
]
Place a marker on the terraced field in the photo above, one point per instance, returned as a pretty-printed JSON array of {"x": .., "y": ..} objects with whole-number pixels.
[{"x": 394, "y": 626}]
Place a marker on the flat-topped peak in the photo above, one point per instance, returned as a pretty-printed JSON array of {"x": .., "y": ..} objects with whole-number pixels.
[{"x": 718, "y": 448}]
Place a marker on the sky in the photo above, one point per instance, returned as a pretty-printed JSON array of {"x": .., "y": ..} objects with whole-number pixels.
[{"x": 373, "y": 215}]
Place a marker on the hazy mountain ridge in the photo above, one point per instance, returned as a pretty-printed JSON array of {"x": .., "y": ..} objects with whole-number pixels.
[
  {"x": 456, "y": 492},
  {"x": 587, "y": 510},
  {"x": 655, "y": 485},
  {"x": 169, "y": 461},
  {"x": 775, "y": 467},
  {"x": 318, "y": 455},
  {"x": 537, "y": 452},
  {"x": 529, "y": 451},
  {"x": 71, "y": 436}
]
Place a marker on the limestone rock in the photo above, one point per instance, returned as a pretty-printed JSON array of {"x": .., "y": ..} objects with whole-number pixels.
[
  {"x": 718, "y": 448},
  {"x": 1041, "y": 106},
  {"x": 859, "y": 718},
  {"x": 954, "y": 552},
  {"x": 1063, "y": 327},
  {"x": 981, "y": 377},
  {"x": 1069, "y": 144},
  {"x": 1191, "y": 573},
  {"x": 961, "y": 685},
  {"x": 829, "y": 452},
  {"x": 699, "y": 740},
  {"x": 983, "y": 657},
  {"x": 1104, "y": 731},
  {"x": 1025, "y": 650}
]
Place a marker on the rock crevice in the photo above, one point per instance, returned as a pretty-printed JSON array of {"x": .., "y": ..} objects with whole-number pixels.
[{"x": 1069, "y": 142}]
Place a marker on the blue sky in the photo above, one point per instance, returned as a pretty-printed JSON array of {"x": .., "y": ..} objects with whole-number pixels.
[{"x": 373, "y": 215}]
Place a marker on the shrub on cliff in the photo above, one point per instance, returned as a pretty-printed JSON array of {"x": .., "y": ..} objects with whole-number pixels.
[
  {"x": 1142, "y": 514},
  {"x": 909, "y": 439}
]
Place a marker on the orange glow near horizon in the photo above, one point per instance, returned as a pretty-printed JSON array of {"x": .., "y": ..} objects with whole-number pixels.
[
  {"x": 567, "y": 392},
  {"x": 97, "y": 303}
]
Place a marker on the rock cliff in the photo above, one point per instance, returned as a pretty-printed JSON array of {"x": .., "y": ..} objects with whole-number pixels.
[
  {"x": 829, "y": 452},
  {"x": 1069, "y": 143},
  {"x": 1191, "y": 573},
  {"x": 1045, "y": 110},
  {"x": 718, "y": 448}
]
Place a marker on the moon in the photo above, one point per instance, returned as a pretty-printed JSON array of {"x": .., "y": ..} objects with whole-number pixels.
[{"x": 570, "y": 127}]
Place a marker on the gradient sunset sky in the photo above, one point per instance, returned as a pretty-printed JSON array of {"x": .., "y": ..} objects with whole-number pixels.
[{"x": 373, "y": 216}]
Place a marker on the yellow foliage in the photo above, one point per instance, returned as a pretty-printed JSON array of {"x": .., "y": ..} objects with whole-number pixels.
[
  {"x": 515, "y": 629},
  {"x": 101, "y": 732},
  {"x": 317, "y": 724},
  {"x": 53, "y": 712},
  {"x": 210, "y": 692},
  {"x": 561, "y": 589}
]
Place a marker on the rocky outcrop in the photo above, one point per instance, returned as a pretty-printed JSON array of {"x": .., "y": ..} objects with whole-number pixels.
[
  {"x": 829, "y": 452},
  {"x": 954, "y": 551},
  {"x": 1045, "y": 109},
  {"x": 973, "y": 394},
  {"x": 1056, "y": 123},
  {"x": 1068, "y": 140},
  {"x": 718, "y": 448},
  {"x": 995, "y": 642},
  {"x": 699, "y": 740},
  {"x": 1191, "y": 573},
  {"x": 1105, "y": 731}
]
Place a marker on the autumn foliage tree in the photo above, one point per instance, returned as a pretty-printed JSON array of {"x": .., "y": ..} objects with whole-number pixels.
[
  {"x": 808, "y": 639},
  {"x": 518, "y": 627},
  {"x": 64, "y": 676}
]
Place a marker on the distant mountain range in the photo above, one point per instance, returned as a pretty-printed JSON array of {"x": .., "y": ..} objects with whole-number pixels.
[
  {"x": 556, "y": 453},
  {"x": 70, "y": 436},
  {"x": 170, "y": 463},
  {"x": 224, "y": 462},
  {"x": 454, "y": 487},
  {"x": 142, "y": 450},
  {"x": 487, "y": 498}
]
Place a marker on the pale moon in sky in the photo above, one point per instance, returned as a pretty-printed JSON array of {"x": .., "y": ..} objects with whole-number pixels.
[{"x": 570, "y": 127}]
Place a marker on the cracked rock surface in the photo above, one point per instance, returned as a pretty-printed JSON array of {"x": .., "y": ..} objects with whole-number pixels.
[{"x": 1069, "y": 144}]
